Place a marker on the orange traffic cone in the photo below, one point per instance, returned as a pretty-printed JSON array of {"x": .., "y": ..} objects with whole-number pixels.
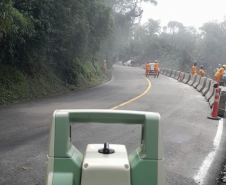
[
  {"x": 180, "y": 76},
  {"x": 215, "y": 105}
]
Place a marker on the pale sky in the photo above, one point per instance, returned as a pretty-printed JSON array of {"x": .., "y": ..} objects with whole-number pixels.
[{"x": 188, "y": 12}]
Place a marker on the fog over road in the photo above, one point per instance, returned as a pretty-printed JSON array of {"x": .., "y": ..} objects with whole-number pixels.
[{"x": 189, "y": 138}]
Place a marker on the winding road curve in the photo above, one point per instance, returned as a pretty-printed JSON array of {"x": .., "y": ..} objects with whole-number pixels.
[{"x": 193, "y": 145}]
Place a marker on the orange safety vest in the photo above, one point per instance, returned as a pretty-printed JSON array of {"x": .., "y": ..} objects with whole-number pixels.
[
  {"x": 193, "y": 70},
  {"x": 202, "y": 73},
  {"x": 156, "y": 66},
  {"x": 148, "y": 67},
  {"x": 104, "y": 65},
  {"x": 220, "y": 73}
]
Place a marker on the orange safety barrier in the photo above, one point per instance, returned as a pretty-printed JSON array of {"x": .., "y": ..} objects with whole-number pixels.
[{"x": 215, "y": 105}]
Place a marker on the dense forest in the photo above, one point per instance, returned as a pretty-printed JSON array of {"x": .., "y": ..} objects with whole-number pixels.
[
  {"x": 45, "y": 43},
  {"x": 58, "y": 34},
  {"x": 177, "y": 46}
]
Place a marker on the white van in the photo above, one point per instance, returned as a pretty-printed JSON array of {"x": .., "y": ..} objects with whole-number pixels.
[
  {"x": 129, "y": 63},
  {"x": 152, "y": 68}
]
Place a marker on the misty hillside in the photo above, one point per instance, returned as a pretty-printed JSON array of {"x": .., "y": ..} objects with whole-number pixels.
[{"x": 49, "y": 47}]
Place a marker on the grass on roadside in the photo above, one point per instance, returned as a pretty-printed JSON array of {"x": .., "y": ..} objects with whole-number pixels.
[{"x": 15, "y": 86}]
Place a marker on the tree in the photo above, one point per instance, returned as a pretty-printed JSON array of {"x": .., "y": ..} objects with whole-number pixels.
[
  {"x": 175, "y": 26},
  {"x": 210, "y": 48},
  {"x": 52, "y": 33}
]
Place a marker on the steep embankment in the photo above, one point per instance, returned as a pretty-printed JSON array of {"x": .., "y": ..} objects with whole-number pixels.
[{"x": 16, "y": 86}]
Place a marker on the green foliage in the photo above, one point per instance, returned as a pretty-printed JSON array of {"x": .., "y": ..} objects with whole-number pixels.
[
  {"x": 143, "y": 44},
  {"x": 17, "y": 86},
  {"x": 129, "y": 7},
  {"x": 68, "y": 37},
  {"x": 82, "y": 74},
  {"x": 177, "y": 46},
  {"x": 75, "y": 72},
  {"x": 210, "y": 47},
  {"x": 118, "y": 46},
  {"x": 152, "y": 27},
  {"x": 15, "y": 30},
  {"x": 52, "y": 33}
]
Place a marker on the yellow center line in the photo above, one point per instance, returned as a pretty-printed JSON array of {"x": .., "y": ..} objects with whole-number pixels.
[{"x": 149, "y": 86}]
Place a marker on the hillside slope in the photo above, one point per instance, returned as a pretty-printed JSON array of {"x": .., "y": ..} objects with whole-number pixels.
[{"x": 15, "y": 86}]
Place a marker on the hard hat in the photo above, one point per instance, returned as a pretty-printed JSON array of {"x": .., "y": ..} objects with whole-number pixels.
[
  {"x": 201, "y": 66},
  {"x": 156, "y": 61},
  {"x": 219, "y": 65},
  {"x": 195, "y": 63},
  {"x": 224, "y": 66}
]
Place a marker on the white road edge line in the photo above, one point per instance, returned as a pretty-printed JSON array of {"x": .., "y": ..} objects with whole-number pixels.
[{"x": 199, "y": 178}]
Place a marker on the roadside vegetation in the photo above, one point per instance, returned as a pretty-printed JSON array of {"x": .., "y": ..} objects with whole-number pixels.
[
  {"x": 50, "y": 47},
  {"x": 47, "y": 44},
  {"x": 176, "y": 46},
  {"x": 18, "y": 87}
]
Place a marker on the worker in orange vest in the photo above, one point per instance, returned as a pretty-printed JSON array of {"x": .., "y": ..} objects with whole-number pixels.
[
  {"x": 156, "y": 69},
  {"x": 201, "y": 71},
  {"x": 220, "y": 73},
  {"x": 193, "y": 69},
  {"x": 148, "y": 68}
]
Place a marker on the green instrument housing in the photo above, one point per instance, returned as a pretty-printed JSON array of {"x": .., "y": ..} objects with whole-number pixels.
[{"x": 65, "y": 161}]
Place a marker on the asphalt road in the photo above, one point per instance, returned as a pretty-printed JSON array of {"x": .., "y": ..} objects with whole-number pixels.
[{"x": 191, "y": 154}]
